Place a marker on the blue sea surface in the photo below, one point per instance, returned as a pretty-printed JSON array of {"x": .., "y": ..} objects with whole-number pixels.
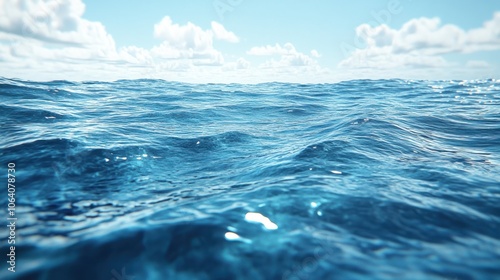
[{"x": 149, "y": 179}]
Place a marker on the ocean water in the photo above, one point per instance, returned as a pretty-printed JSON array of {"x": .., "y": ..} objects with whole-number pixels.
[{"x": 149, "y": 179}]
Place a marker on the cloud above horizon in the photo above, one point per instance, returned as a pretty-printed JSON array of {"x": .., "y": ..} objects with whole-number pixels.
[
  {"x": 52, "y": 36},
  {"x": 52, "y": 39},
  {"x": 190, "y": 41},
  {"x": 420, "y": 43},
  {"x": 53, "y": 21},
  {"x": 289, "y": 56}
]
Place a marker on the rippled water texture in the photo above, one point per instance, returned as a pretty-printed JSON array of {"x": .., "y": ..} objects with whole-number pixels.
[{"x": 147, "y": 179}]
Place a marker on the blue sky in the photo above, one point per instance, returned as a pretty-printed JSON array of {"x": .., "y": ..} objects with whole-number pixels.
[{"x": 249, "y": 41}]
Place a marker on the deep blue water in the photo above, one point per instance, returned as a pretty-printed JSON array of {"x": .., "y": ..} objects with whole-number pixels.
[{"x": 148, "y": 179}]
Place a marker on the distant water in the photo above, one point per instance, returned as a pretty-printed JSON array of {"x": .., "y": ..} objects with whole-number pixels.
[{"x": 147, "y": 179}]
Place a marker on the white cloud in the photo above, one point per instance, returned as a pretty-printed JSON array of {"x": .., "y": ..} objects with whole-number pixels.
[
  {"x": 288, "y": 64},
  {"x": 53, "y": 21},
  {"x": 242, "y": 63},
  {"x": 51, "y": 39},
  {"x": 41, "y": 34},
  {"x": 190, "y": 41},
  {"x": 183, "y": 37},
  {"x": 486, "y": 37},
  {"x": 221, "y": 33},
  {"x": 47, "y": 39},
  {"x": 419, "y": 43},
  {"x": 315, "y": 53},
  {"x": 136, "y": 55},
  {"x": 209, "y": 55},
  {"x": 289, "y": 56},
  {"x": 239, "y": 64},
  {"x": 287, "y": 49},
  {"x": 384, "y": 57},
  {"x": 428, "y": 37}
]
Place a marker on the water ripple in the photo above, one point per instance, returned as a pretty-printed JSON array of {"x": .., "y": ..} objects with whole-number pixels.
[{"x": 378, "y": 179}]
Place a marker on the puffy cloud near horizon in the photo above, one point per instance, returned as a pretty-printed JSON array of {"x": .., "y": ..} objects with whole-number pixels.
[
  {"x": 51, "y": 38},
  {"x": 190, "y": 41},
  {"x": 289, "y": 56},
  {"x": 189, "y": 36},
  {"x": 419, "y": 43}
]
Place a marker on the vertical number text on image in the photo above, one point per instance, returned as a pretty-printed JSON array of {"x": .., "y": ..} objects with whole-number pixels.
[{"x": 11, "y": 218}]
